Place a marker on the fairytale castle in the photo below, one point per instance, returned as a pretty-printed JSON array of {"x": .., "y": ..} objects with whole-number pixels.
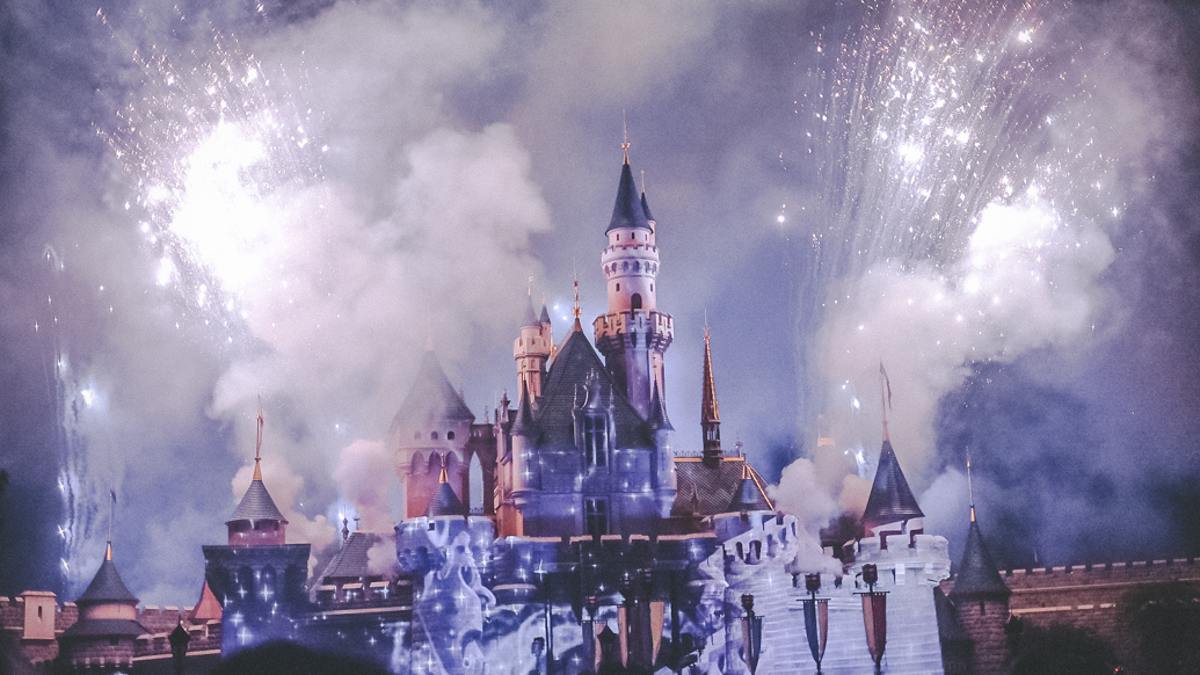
[{"x": 599, "y": 547}]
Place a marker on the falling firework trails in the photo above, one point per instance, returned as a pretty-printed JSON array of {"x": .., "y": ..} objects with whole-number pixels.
[
  {"x": 915, "y": 120},
  {"x": 207, "y": 145},
  {"x": 203, "y": 147}
]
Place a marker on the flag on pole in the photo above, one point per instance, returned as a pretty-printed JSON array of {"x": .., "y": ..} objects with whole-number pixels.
[
  {"x": 887, "y": 384},
  {"x": 816, "y": 627},
  {"x": 875, "y": 622}
]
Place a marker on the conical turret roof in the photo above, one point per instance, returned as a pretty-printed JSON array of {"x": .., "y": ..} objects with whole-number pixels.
[
  {"x": 628, "y": 210},
  {"x": 646, "y": 207},
  {"x": 545, "y": 317},
  {"x": 256, "y": 505},
  {"x": 524, "y": 425},
  {"x": 107, "y": 585},
  {"x": 444, "y": 501},
  {"x": 531, "y": 317},
  {"x": 747, "y": 497},
  {"x": 432, "y": 397},
  {"x": 891, "y": 498},
  {"x": 977, "y": 576}
]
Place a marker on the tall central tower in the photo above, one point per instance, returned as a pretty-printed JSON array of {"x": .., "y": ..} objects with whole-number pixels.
[{"x": 633, "y": 335}]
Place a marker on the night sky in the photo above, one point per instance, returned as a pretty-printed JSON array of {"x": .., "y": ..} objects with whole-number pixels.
[{"x": 203, "y": 206}]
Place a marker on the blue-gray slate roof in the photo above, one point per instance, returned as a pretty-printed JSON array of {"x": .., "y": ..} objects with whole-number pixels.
[
  {"x": 708, "y": 490},
  {"x": 432, "y": 398},
  {"x": 256, "y": 505},
  {"x": 891, "y": 498},
  {"x": 977, "y": 576},
  {"x": 567, "y": 382},
  {"x": 628, "y": 210},
  {"x": 352, "y": 560},
  {"x": 107, "y": 586},
  {"x": 445, "y": 502}
]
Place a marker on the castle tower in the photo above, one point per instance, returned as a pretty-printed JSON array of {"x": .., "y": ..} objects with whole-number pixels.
[
  {"x": 980, "y": 598},
  {"x": 258, "y": 576},
  {"x": 432, "y": 426},
  {"x": 257, "y": 521},
  {"x": 532, "y": 349},
  {"x": 633, "y": 335},
  {"x": 710, "y": 413},
  {"x": 102, "y": 640}
]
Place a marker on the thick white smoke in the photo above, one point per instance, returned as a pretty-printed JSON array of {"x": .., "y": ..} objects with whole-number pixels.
[{"x": 1028, "y": 278}]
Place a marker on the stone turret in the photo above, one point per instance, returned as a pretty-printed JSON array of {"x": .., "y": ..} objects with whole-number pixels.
[
  {"x": 102, "y": 640},
  {"x": 532, "y": 350},
  {"x": 432, "y": 424},
  {"x": 980, "y": 599},
  {"x": 632, "y": 334}
]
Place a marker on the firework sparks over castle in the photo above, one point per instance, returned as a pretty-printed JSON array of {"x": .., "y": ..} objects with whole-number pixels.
[{"x": 301, "y": 246}]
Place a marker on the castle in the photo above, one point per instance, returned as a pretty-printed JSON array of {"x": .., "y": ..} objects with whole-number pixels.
[{"x": 599, "y": 547}]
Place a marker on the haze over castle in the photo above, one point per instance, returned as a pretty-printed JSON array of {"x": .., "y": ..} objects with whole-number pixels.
[{"x": 598, "y": 545}]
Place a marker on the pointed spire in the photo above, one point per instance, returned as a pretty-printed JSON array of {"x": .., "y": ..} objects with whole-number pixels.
[
  {"x": 575, "y": 311},
  {"x": 524, "y": 424},
  {"x": 970, "y": 487},
  {"x": 444, "y": 501},
  {"x": 531, "y": 317},
  {"x": 977, "y": 575},
  {"x": 747, "y": 496},
  {"x": 107, "y": 586},
  {"x": 627, "y": 210},
  {"x": 710, "y": 412},
  {"x": 646, "y": 204},
  {"x": 625, "y": 144},
  {"x": 891, "y": 498},
  {"x": 112, "y": 517}
]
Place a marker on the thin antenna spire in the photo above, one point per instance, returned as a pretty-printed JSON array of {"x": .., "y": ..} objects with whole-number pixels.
[
  {"x": 625, "y": 144},
  {"x": 112, "y": 516},
  {"x": 643, "y": 181},
  {"x": 970, "y": 486},
  {"x": 529, "y": 288},
  {"x": 885, "y": 399},
  {"x": 258, "y": 443},
  {"x": 575, "y": 311},
  {"x": 706, "y": 332}
]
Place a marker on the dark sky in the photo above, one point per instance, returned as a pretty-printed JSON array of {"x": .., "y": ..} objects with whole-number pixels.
[{"x": 202, "y": 206}]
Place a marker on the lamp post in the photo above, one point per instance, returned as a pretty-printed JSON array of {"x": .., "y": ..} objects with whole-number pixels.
[
  {"x": 874, "y": 615},
  {"x": 751, "y": 634},
  {"x": 179, "y": 639}
]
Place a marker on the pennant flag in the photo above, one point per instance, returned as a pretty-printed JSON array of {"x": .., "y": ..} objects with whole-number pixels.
[
  {"x": 875, "y": 622},
  {"x": 816, "y": 627}
]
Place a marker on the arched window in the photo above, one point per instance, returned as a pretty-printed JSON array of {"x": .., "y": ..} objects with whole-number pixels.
[
  {"x": 475, "y": 472},
  {"x": 595, "y": 439},
  {"x": 618, "y": 287},
  {"x": 449, "y": 435},
  {"x": 636, "y": 301},
  {"x": 433, "y": 435}
]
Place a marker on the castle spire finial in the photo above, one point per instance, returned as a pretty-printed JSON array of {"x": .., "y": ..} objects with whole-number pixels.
[
  {"x": 112, "y": 516},
  {"x": 885, "y": 399},
  {"x": 443, "y": 475},
  {"x": 258, "y": 443},
  {"x": 575, "y": 311},
  {"x": 643, "y": 172},
  {"x": 970, "y": 486},
  {"x": 625, "y": 144}
]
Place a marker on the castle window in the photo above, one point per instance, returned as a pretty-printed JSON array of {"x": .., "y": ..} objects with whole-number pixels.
[
  {"x": 433, "y": 435},
  {"x": 636, "y": 301},
  {"x": 449, "y": 435},
  {"x": 595, "y": 514},
  {"x": 618, "y": 287},
  {"x": 595, "y": 439}
]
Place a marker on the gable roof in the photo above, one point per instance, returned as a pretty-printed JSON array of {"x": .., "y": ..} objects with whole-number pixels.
[
  {"x": 977, "y": 575},
  {"x": 352, "y": 561},
  {"x": 431, "y": 397},
  {"x": 891, "y": 498},
  {"x": 107, "y": 585},
  {"x": 207, "y": 608},
  {"x": 627, "y": 210},
  {"x": 708, "y": 490},
  {"x": 575, "y": 363},
  {"x": 256, "y": 505}
]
